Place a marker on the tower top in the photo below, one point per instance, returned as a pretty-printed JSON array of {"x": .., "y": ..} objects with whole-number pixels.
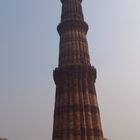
[
  {"x": 71, "y": 10},
  {"x": 70, "y": 0},
  {"x": 72, "y": 31}
]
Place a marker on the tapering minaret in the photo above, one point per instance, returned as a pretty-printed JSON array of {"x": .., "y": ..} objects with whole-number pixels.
[{"x": 76, "y": 114}]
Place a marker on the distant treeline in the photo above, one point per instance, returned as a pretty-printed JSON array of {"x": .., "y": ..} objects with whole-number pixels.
[{"x": 3, "y": 139}]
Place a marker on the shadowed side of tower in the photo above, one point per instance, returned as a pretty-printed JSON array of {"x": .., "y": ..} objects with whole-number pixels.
[{"x": 76, "y": 114}]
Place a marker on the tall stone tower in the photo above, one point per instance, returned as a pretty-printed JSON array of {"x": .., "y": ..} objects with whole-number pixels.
[{"x": 76, "y": 114}]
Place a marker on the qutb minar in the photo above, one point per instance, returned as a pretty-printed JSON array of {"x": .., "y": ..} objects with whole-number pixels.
[{"x": 76, "y": 113}]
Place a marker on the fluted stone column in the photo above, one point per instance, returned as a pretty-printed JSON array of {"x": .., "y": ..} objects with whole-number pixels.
[{"x": 76, "y": 114}]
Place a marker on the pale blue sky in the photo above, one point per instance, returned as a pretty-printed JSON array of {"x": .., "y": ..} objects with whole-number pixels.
[{"x": 29, "y": 53}]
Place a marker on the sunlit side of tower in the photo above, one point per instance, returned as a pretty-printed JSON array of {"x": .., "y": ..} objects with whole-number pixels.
[{"x": 76, "y": 114}]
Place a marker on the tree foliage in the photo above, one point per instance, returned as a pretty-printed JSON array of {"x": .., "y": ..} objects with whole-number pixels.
[{"x": 3, "y": 138}]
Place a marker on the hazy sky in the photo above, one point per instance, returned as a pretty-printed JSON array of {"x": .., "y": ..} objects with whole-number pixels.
[{"x": 29, "y": 53}]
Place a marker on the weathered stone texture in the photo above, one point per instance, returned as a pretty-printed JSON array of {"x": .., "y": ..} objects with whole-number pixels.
[{"x": 76, "y": 114}]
